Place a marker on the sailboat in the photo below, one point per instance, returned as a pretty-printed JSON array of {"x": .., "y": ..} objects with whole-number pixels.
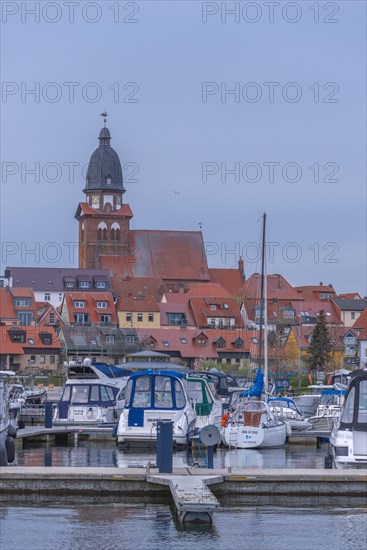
[{"x": 251, "y": 424}]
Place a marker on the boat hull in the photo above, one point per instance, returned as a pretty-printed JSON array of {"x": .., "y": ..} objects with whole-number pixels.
[{"x": 249, "y": 437}]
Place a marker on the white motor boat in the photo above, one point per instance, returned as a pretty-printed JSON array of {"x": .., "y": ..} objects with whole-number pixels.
[
  {"x": 308, "y": 402},
  {"x": 252, "y": 425},
  {"x": 7, "y": 430},
  {"x": 284, "y": 408},
  {"x": 348, "y": 439},
  {"x": 91, "y": 394},
  {"x": 152, "y": 396},
  {"x": 328, "y": 410},
  {"x": 206, "y": 403}
]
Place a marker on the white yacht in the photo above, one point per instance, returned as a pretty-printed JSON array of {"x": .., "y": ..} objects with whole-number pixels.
[
  {"x": 328, "y": 410},
  {"x": 151, "y": 396},
  {"x": 7, "y": 430},
  {"x": 348, "y": 439},
  {"x": 284, "y": 408},
  {"x": 252, "y": 425},
  {"x": 205, "y": 401},
  {"x": 91, "y": 394},
  {"x": 308, "y": 402}
]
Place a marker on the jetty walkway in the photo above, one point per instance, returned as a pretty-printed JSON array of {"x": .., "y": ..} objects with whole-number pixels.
[{"x": 189, "y": 489}]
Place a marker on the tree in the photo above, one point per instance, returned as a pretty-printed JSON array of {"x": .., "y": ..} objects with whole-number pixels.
[{"x": 319, "y": 352}]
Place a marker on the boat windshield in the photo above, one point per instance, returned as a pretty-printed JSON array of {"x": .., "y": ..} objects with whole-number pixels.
[
  {"x": 82, "y": 394},
  {"x": 362, "y": 404}
]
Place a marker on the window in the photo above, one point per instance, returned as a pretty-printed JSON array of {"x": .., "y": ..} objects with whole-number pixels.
[
  {"x": 80, "y": 394},
  {"x": 352, "y": 314},
  {"x": 183, "y": 340},
  {"x": 79, "y": 304},
  {"x": 33, "y": 359},
  {"x": 163, "y": 393},
  {"x": 220, "y": 343},
  {"x": 100, "y": 284},
  {"x": 142, "y": 395},
  {"x": 179, "y": 396},
  {"x": 46, "y": 338},
  {"x": 165, "y": 343},
  {"x": 84, "y": 284},
  {"x": 30, "y": 341},
  {"x": 140, "y": 317},
  {"x": 110, "y": 338},
  {"x": 105, "y": 319},
  {"x": 81, "y": 318},
  {"x": 18, "y": 336},
  {"x": 42, "y": 359},
  {"x": 176, "y": 319},
  {"x": 201, "y": 341},
  {"x": 102, "y": 305},
  {"x": 108, "y": 180},
  {"x": 60, "y": 296},
  {"x": 213, "y": 307},
  {"x": 226, "y": 306},
  {"x": 47, "y": 296},
  {"x": 24, "y": 317},
  {"x": 52, "y": 359},
  {"x": 150, "y": 317},
  {"x": 52, "y": 318},
  {"x": 22, "y": 302},
  {"x": 68, "y": 285},
  {"x": 129, "y": 317}
]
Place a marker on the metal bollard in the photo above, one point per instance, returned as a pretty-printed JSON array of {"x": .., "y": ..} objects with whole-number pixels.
[
  {"x": 165, "y": 446},
  {"x": 48, "y": 414}
]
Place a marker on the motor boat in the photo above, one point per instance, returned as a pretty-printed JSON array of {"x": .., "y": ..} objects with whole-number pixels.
[
  {"x": 308, "y": 402},
  {"x": 328, "y": 410},
  {"x": 284, "y": 408},
  {"x": 93, "y": 394},
  {"x": 252, "y": 425},
  {"x": 152, "y": 396},
  {"x": 348, "y": 439},
  {"x": 205, "y": 401},
  {"x": 7, "y": 430}
]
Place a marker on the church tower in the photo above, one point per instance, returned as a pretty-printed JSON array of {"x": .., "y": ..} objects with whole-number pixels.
[{"x": 104, "y": 221}]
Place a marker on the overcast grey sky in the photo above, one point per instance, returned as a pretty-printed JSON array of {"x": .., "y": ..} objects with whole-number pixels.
[{"x": 293, "y": 130}]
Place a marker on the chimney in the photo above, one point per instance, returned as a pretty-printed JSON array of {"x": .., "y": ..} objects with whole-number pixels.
[
  {"x": 321, "y": 283},
  {"x": 241, "y": 267}
]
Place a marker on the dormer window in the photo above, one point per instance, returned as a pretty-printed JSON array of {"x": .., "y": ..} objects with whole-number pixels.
[
  {"x": 102, "y": 305},
  {"x": 213, "y": 307},
  {"x": 201, "y": 341},
  {"x": 108, "y": 180},
  {"x": 79, "y": 304}
]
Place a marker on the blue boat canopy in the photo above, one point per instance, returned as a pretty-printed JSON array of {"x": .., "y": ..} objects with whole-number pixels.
[
  {"x": 257, "y": 387},
  {"x": 333, "y": 392},
  {"x": 111, "y": 370}
]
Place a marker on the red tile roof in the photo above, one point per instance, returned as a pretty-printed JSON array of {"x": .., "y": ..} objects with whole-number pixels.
[
  {"x": 181, "y": 341},
  {"x": 138, "y": 286},
  {"x": 143, "y": 304},
  {"x": 277, "y": 287},
  {"x": 209, "y": 289},
  {"x": 32, "y": 333},
  {"x": 169, "y": 255},
  {"x": 7, "y": 310},
  {"x": 201, "y": 308},
  {"x": 90, "y": 299},
  {"x": 312, "y": 292},
  {"x": 230, "y": 279},
  {"x": 360, "y": 326}
]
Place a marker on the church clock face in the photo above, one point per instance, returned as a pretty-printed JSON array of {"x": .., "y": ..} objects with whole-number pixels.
[{"x": 95, "y": 201}]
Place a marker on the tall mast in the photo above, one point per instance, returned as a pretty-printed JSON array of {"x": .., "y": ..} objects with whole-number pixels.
[{"x": 262, "y": 290}]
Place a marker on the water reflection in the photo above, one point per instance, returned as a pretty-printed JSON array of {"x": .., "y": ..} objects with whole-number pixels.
[
  {"x": 142, "y": 526},
  {"x": 106, "y": 454}
]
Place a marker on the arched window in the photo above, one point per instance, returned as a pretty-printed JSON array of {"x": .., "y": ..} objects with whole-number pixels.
[
  {"x": 115, "y": 232},
  {"x": 102, "y": 231}
]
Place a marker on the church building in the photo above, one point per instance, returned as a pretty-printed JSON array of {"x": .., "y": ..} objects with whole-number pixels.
[{"x": 106, "y": 240}]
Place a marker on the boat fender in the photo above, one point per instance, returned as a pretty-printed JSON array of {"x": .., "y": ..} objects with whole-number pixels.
[
  {"x": 288, "y": 428},
  {"x": 3, "y": 456},
  {"x": 10, "y": 448},
  {"x": 114, "y": 430},
  {"x": 224, "y": 420},
  {"x": 12, "y": 432}
]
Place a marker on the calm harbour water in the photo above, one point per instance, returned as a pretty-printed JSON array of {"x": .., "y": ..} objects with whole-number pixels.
[{"x": 143, "y": 524}]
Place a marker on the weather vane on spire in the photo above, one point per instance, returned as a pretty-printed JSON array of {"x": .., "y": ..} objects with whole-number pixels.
[{"x": 104, "y": 114}]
